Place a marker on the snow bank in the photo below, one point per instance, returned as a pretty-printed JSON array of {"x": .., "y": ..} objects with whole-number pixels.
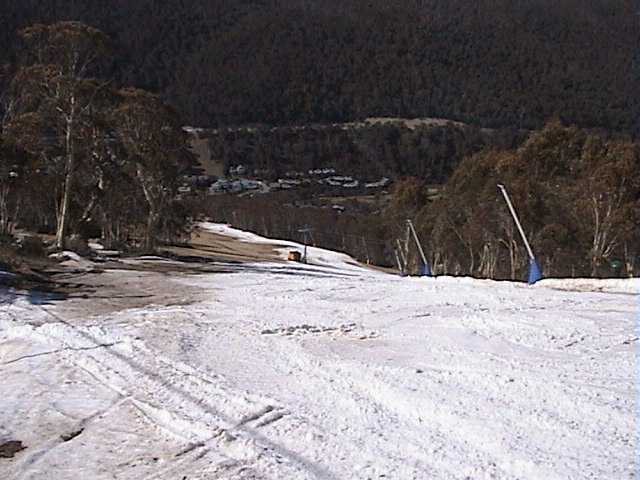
[
  {"x": 95, "y": 245},
  {"x": 328, "y": 258},
  {"x": 73, "y": 260},
  {"x": 241, "y": 235},
  {"x": 4, "y": 274},
  {"x": 607, "y": 285}
]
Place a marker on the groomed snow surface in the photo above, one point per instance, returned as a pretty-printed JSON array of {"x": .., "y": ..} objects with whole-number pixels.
[{"x": 323, "y": 371}]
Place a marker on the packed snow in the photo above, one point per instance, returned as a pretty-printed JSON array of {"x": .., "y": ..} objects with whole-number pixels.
[
  {"x": 610, "y": 285},
  {"x": 327, "y": 370}
]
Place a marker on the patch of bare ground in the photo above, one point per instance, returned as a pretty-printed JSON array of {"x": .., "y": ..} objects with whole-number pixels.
[
  {"x": 137, "y": 282},
  {"x": 210, "y": 246},
  {"x": 10, "y": 448},
  {"x": 119, "y": 284}
]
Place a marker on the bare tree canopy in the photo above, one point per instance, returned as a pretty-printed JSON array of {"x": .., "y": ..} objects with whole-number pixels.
[{"x": 95, "y": 147}]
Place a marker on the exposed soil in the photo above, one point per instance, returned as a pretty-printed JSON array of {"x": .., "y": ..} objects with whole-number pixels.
[
  {"x": 208, "y": 246},
  {"x": 102, "y": 289},
  {"x": 10, "y": 448}
]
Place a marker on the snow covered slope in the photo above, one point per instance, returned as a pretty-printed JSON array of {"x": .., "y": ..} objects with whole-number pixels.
[{"x": 321, "y": 371}]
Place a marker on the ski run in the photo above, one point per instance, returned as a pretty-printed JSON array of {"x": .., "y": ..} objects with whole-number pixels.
[{"x": 326, "y": 370}]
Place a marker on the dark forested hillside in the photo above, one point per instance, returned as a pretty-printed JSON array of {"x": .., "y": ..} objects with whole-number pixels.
[
  {"x": 369, "y": 150},
  {"x": 502, "y": 63}
]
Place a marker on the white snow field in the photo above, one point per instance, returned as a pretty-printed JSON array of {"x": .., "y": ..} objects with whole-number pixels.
[{"x": 322, "y": 371}]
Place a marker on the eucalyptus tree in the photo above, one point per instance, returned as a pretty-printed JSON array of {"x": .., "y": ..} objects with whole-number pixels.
[
  {"x": 156, "y": 146},
  {"x": 14, "y": 165},
  {"x": 53, "y": 96}
]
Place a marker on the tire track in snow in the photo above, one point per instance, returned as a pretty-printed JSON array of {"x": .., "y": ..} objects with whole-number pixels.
[
  {"x": 379, "y": 441},
  {"x": 186, "y": 406},
  {"x": 49, "y": 445},
  {"x": 388, "y": 404}
]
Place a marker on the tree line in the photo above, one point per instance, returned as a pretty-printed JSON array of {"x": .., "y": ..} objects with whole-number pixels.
[
  {"x": 576, "y": 191},
  {"x": 83, "y": 153},
  {"x": 489, "y": 63},
  {"x": 578, "y": 195},
  {"x": 80, "y": 154}
]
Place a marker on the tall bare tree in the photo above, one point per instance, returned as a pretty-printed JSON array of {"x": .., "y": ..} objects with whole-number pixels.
[
  {"x": 155, "y": 143},
  {"x": 56, "y": 88},
  {"x": 607, "y": 196}
]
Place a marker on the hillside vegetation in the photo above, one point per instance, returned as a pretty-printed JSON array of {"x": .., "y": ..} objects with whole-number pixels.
[
  {"x": 289, "y": 88},
  {"x": 577, "y": 192},
  {"x": 490, "y": 63},
  {"x": 369, "y": 150}
]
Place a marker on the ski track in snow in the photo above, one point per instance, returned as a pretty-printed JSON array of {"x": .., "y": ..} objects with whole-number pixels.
[{"x": 326, "y": 371}]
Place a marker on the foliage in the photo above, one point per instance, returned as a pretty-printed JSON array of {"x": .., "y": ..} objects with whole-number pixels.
[
  {"x": 153, "y": 139},
  {"x": 577, "y": 194},
  {"x": 88, "y": 171},
  {"x": 367, "y": 151},
  {"x": 495, "y": 64},
  {"x": 15, "y": 165}
]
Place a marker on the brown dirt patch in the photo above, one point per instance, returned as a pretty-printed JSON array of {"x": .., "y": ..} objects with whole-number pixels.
[
  {"x": 10, "y": 448},
  {"x": 214, "y": 247}
]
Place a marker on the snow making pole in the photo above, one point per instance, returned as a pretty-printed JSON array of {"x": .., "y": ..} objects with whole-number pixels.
[
  {"x": 535, "y": 273},
  {"x": 426, "y": 270}
]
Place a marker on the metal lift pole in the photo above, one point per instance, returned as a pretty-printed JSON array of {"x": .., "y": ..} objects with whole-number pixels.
[{"x": 305, "y": 231}]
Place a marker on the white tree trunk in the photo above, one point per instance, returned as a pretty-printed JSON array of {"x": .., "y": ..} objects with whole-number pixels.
[{"x": 63, "y": 218}]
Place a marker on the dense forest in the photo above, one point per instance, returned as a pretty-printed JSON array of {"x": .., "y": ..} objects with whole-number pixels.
[{"x": 490, "y": 63}]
